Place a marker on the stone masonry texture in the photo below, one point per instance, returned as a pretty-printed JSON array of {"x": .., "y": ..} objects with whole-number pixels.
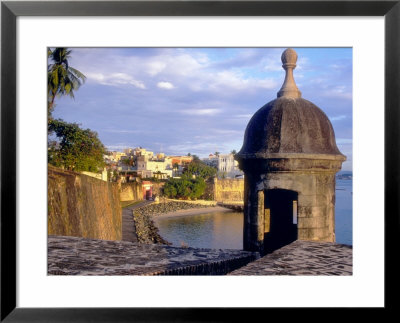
[
  {"x": 131, "y": 191},
  {"x": 82, "y": 206},
  {"x": 303, "y": 258},
  {"x": 228, "y": 190},
  {"x": 79, "y": 256}
]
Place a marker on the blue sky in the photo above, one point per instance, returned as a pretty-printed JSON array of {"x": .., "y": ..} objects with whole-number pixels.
[{"x": 199, "y": 100}]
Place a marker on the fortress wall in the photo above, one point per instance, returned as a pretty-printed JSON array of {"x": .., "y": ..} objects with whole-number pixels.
[
  {"x": 228, "y": 190},
  {"x": 131, "y": 192},
  {"x": 83, "y": 206}
]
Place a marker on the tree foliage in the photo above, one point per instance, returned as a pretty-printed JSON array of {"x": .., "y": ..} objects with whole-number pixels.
[
  {"x": 199, "y": 169},
  {"x": 62, "y": 79},
  {"x": 192, "y": 184},
  {"x": 185, "y": 188},
  {"x": 75, "y": 148}
]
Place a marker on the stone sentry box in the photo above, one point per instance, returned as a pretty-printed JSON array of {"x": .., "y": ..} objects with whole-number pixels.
[{"x": 290, "y": 159}]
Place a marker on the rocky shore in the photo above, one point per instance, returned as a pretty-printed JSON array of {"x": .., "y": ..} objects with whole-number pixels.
[
  {"x": 168, "y": 207},
  {"x": 145, "y": 229}
]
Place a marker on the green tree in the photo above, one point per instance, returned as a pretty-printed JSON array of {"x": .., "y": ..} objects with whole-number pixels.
[
  {"x": 233, "y": 152},
  {"x": 128, "y": 161},
  {"x": 75, "y": 148},
  {"x": 169, "y": 189},
  {"x": 62, "y": 79},
  {"x": 199, "y": 169},
  {"x": 197, "y": 188},
  {"x": 196, "y": 158},
  {"x": 184, "y": 188}
]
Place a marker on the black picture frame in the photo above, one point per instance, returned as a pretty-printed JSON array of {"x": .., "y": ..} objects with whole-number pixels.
[{"x": 10, "y": 10}]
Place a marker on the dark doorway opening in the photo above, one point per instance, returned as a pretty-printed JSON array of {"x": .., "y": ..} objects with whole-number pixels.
[
  {"x": 148, "y": 194},
  {"x": 280, "y": 218}
]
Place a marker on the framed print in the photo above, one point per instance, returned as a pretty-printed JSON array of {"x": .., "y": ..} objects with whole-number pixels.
[{"x": 370, "y": 28}]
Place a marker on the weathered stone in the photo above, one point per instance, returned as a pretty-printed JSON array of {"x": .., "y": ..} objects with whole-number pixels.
[
  {"x": 226, "y": 190},
  {"x": 131, "y": 191},
  {"x": 303, "y": 258},
  {"x": 79, "y": 256},
  {"x": 82, "y": 206},
  {"x": 289, "y": 153}
]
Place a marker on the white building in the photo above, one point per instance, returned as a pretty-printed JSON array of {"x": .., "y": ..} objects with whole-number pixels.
[
  {"x": 226, "y": 165},
  {"x": 148, "y": 167}
]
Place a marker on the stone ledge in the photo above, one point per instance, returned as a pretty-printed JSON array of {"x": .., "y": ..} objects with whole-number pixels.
[
  {"x": 303, "y": 258},
  {"x": 88, "y": 257}
]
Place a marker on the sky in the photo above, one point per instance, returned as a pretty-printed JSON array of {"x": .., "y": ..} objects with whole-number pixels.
[{"x": 199, "y": 100}]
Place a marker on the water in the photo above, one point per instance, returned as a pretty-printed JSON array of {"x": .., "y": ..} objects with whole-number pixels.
[
  {"x": 217, "y": 230},
  {"x": 344, "y": 211},
  {"x": 224, "y": 230}
]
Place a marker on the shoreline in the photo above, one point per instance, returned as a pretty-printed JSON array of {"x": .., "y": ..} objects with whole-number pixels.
[{"x": 188, "y": 212}]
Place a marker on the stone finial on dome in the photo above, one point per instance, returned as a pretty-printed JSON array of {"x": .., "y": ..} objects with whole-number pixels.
[{"x": 289, "y": 88}]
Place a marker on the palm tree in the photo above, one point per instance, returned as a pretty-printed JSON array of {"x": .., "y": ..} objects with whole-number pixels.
[{"x": 62, "y": 79}]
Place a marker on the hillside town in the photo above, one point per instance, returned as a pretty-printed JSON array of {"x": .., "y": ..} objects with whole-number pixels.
[{"x": 133, "y": 163}]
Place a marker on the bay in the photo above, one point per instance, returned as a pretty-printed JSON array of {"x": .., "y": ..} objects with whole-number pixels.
[{"x": 224, "y": 230}]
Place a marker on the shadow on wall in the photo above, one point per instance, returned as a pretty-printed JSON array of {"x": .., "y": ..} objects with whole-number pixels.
[{"x": 82, "y": 206}]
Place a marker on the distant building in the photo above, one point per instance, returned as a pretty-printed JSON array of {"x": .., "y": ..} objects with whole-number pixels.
[
  {"x": 226, "y": 165},
  {"x": 102, "y": 175},
  {"x": 139, "y": 151},
  {"x": 115, "y": 156},
  {"x": 128, "y": 151},
  {"x": 147, "y": 167},
  {"x": 178, "y": 164},
  {"x": 142, "y": 163},
  {"x": 181, "y": 160}
]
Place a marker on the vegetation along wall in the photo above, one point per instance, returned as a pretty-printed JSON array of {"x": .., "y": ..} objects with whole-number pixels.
[{"x": 83, "y": 206}]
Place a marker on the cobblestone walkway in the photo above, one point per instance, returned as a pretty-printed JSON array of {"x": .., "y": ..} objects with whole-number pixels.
[
  {"x": 80, "y": 256},
  {"x": 128, "y": 225},
  {"x": 303, "y": 258}
]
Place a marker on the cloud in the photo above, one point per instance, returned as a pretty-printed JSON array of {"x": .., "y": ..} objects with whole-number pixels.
[
  {"x": 202, "y": 112},
  {"x": 337, "y": 118},
  {"x": 237, "y": 81},
  {"x": 115, "y": 79},
  {"x": 156, "y": 67},
  {"x": 343, "y": 141},
  {"x": 122, "y": 131},
  {"x": 339, "y": 91},
  {"x": 213, "y": 92},
  {"x": 228, "y": 131},
  {"x": 165, "y": 85},
  {"x": 243, "y": 116},
  {"x": 117, "y": 147},
  {"x": 272, "y": 65}
]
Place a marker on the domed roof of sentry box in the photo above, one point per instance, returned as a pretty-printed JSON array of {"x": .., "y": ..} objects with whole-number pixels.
[{"x": 288, "y": 124}]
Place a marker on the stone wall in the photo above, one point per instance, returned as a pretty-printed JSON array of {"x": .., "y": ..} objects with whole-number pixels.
[
  {"x": 82, "y": 206},
  {"x": 228, "y": 190},
  {"x": 131, "y": 191},
  {"x": 157, "y": 188}
]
